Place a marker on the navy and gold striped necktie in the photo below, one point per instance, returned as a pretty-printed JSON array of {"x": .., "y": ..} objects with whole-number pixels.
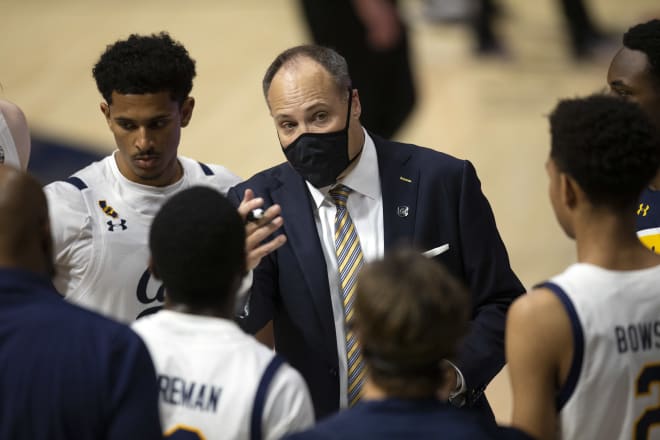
[{"x": 349, "y": 262}]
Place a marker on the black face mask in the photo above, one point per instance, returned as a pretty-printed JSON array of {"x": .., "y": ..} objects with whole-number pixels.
[{"x": 320, "y": 157}]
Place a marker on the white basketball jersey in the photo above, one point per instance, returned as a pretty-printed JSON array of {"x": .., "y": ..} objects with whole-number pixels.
[
  {"x": 209, "y": 375},
  {"x": 101, "y": 224},
  {"x": 8, "y": 153},
  {"x": 613, "y": 387}
]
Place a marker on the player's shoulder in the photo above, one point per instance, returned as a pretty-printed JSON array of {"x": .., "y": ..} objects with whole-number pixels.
[
  {"x": 202, "y": 173},
  {"x": 89, "y": 176},
  {"x": 541, "y": 315},
  {"x": 149, "y": 326},
  {"x": 540, "y": 302}
]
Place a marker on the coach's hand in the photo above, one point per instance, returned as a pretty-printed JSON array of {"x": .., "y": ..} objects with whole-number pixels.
[{"x": 257, "y": 231}]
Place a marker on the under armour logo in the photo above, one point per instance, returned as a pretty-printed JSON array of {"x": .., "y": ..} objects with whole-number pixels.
[
  {"x": 643, "y": 210},
  {"x": 121, "y": 224}
]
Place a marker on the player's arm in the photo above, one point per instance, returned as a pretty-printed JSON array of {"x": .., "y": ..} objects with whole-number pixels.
[
  {"x": 538, "y": 342},
  {"x": 71, "y": 231},
  {"x": 288, "y": 407}
]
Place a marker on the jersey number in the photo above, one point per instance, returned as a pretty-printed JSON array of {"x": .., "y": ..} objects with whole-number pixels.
[
  {"x": 649, "y": 376},
  {"x": 183, "y": 432}
]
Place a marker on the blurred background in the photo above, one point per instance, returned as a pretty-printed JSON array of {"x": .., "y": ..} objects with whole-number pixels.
[{"x": 486, "y": 76}]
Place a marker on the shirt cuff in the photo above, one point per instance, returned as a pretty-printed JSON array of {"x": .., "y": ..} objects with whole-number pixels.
[
  {"x": 457, "y": 395},
  {"x": 243, "y": 296}
]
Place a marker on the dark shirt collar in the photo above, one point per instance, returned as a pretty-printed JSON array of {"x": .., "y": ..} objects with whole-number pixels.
[{"x": 12, "y": 280}]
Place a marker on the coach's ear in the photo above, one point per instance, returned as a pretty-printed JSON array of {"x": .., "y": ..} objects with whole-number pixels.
[{"x": 152, "y": 269}]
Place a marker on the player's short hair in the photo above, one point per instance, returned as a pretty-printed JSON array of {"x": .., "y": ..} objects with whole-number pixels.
[
  {"x": 410, "y": 314},
  {"x": 145, "y": 64},
  {"x": 608, "y": 145},
  {"x": 329, "y": 59},
  {"x": 645, "y": 37},
  {"x": 197, "y": 244}
]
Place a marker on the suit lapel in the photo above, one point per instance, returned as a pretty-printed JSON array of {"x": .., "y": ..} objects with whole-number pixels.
[
  {"x": 302, "y": 235},
  {"x": 399, "y": 181}
]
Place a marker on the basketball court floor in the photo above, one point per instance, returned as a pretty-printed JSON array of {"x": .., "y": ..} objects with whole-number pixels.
[{"x": 492, "y": 112}]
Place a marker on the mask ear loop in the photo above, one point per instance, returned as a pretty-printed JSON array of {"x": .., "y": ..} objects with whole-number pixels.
[{"x": 350, "y": 102}]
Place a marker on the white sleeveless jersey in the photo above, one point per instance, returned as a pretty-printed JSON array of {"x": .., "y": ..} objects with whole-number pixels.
[
  {"x": 8, "y": 153},
  {"x": 100, "y": 224},
  {"x": 613, "y": 386},
  {"x": 209, "y": 375}
]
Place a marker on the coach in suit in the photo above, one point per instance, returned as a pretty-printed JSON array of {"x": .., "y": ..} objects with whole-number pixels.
[{"x": 377, "y": 194}]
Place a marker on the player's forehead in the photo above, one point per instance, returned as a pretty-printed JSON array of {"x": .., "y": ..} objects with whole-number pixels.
[
  {"x": 142, "y": 106},
  {"x": 629, "y": 66}
]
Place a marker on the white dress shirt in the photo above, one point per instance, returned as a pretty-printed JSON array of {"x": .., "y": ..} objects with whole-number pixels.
[{"x": 365, "y": 206}]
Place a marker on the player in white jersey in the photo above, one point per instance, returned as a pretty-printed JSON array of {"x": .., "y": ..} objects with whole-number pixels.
[
  {"x": 14, "y": 136},
  {"x": 216, "y": 382},
  {"x": 101, "y": 215},
  {"x": 584, "y": 348},
  {"x": 103, "y": 222}
]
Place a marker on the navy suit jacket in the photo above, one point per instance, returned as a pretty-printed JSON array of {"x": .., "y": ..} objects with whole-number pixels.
[{"x": 429, "y": 199}]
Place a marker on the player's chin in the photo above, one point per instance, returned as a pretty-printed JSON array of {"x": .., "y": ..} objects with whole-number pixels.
[{"x": 148, "y": 173}]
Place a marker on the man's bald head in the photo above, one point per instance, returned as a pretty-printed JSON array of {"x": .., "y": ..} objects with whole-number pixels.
[{"x": 25, "y": 240}]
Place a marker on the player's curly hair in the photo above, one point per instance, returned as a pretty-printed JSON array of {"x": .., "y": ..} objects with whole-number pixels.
[
  {"x": 197, "y": 243},
  {"x": 607, "y": 145},
  {"x": 145, "y": 64},
  {"x": 645, "y": 37}
]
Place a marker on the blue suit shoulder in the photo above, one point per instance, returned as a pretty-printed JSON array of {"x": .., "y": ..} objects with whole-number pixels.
[{"x": 412, "y": 154}]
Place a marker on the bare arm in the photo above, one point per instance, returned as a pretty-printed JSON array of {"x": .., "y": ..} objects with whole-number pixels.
[{"x": 539, "y": 348}]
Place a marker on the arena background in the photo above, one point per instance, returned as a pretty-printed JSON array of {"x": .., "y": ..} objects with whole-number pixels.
[{"x": 490, "y": 111}]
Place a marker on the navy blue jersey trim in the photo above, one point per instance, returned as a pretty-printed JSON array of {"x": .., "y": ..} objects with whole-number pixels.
[
  {"x": 567, "y": 390},
  {"x": 208, "y": 171},
  {"x": 260, "y": 398},
  {"x": 75, "y": 181}
]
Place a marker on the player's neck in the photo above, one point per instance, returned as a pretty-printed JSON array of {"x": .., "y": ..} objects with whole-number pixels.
[
  {"x": 610, "y": 241},
  {"x": 209, "y": 311},
  {"x": 655, "y": 183}
]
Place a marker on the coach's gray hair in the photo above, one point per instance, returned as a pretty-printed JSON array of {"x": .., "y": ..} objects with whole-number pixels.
[{"x": 331, "y": 61}]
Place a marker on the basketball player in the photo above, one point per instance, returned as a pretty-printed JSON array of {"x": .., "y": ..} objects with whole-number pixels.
[
  {"x": 14, "y": 136},
  {"x": 216, "y": 382},
  {"x": 101, "y": 215},
  {"x": 66, "y": 372},
  {"x": 584, "y": 347},
  {"x": 635, "y": 75}
]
